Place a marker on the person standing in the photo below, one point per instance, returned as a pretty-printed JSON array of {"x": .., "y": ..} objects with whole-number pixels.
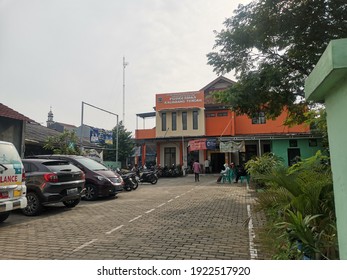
[
  {"x": 207, "y": 166},
  {"x": 197, "y": 170}
]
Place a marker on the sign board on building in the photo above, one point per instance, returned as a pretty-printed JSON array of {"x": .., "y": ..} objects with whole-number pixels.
[
  {"x": 232, "y": 146},
  {"x": 198, "y": 144},
  {"x": 100, "y": 136},
  {"x": 180, "y": 100}
]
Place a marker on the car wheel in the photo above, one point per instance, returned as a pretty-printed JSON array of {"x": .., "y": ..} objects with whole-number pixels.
[
  {"x": 4, "y": 216},
  {"x": 71, "y": 203},
  {"x": 90, "y": 193},
  {"x": 34, "y": 206}
]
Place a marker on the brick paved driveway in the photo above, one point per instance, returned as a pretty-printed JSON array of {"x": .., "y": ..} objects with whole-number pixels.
[{"x": 174, "y": 219}]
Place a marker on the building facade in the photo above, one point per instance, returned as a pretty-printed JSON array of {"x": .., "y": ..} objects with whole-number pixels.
[
  {"x": 193, "y": 126},
  {"x": 12, "y": 127}
]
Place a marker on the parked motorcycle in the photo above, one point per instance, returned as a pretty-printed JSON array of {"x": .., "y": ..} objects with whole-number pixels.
[
  {"x": 129, "y": 178},
  {"x": 173, "y": 171},
  {"x": 147, "y": 176}
]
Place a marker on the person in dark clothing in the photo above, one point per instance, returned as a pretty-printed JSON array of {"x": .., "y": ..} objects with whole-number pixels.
[
  {"x": 240, "y": 171},
  {"x": 136, "y": 170}
]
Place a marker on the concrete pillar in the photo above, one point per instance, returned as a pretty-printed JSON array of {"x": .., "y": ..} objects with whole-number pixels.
[{"x": 328, "y": 83}]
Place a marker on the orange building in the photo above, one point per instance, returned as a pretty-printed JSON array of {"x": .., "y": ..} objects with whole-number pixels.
[{"x": 191, "y": 125}]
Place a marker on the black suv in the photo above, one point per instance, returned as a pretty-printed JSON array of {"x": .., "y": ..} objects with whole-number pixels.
[
  {"x": 100, "y": 181},
  {"x": 52, "y": 181}
]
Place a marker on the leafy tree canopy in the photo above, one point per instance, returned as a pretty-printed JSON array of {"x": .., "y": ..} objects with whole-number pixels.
[
  {"x": 273, "y": 45},
  {"x": 125, "y": 144},
  {"x": 316, "y": 119},
  {"x": 65, "y": 143}
]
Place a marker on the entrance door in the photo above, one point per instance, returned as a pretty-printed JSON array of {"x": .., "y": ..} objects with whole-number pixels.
[
  {"x": 293, "y": 155},
  {"x": 217, "y": 162},
  {"x": 169, "y": 156}
]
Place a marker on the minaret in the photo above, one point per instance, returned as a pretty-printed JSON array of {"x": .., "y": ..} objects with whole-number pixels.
[{"x": 50, "y": 118}]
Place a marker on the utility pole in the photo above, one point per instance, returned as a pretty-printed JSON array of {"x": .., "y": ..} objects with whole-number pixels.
[{"x": 124, "y": 65}]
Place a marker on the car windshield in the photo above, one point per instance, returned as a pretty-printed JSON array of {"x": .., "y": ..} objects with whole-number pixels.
[
  {"x": 91, "y": 164},
  {"x": 9, "y": 154}
]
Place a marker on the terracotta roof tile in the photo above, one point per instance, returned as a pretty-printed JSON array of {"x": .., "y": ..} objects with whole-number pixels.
[{"x": 7, "y": 112}]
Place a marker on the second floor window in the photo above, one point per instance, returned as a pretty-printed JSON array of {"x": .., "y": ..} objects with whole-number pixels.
[
  {"x": 184, "y": 120},
  {"x": 163, "y": 121},
  {"x": 174, "y": 121},
  {"x": 195, "y": 119}
]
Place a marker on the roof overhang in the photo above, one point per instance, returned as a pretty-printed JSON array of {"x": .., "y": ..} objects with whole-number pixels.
[{"x": 146, "y": 115}]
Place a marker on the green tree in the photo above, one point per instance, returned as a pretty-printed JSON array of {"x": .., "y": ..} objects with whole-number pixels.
[
  {"x": 125, "y": 144},
  {"x": 316, "y": 119},
  {"x": 273, "y": 45},
  {"x": 65, "y": 143}
]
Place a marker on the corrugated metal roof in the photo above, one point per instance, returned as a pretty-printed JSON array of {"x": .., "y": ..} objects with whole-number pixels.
[{"x": 36, "y": 133}]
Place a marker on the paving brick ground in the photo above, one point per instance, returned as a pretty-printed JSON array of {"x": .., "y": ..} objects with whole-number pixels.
[{"x": 175, "y": 219}]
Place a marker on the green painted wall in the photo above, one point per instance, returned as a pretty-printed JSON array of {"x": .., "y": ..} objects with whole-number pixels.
[
  {"x": 336, "y": 105},
  {"x": 328, "y": 83},
  {"x": 280, "y": 148}
]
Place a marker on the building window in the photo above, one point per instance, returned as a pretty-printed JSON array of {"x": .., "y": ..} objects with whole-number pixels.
[
  {"x": 163, "y": 121},
  {"x": 174, "y": 121},
  {"x": 169, "y": 156},
  {"x": 222, "y": 114},
  {"x": 210, "y": 115},
  {"x": 293, "y": 143},
  {"x": 195, "y": 119},
  {"x": 260, "y": 119},
  {"x": 266, "y": 148},
  {"x": 312, "y": 143},
  {"x": 184, "y": 120}
]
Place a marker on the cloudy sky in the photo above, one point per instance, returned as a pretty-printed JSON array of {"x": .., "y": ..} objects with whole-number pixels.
[{"x": 58, "y": 53}]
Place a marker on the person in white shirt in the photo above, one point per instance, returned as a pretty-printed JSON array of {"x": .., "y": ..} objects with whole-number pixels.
[
  {"x": 225, "y": 171},
  {"x": 207, "y": 166}
]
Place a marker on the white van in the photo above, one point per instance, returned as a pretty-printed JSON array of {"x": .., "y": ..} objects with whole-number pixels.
[{"x": 12, "y": 180}]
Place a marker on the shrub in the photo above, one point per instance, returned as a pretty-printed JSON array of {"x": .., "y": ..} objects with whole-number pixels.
[
  {"x": 260, "y": 166},
  {"x": 299, "y": 203}
]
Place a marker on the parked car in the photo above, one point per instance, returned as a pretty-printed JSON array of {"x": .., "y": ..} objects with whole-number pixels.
[
  {"x": 52, "y": 181},
  {"x": 12, "y": 180},
  {"x": 100, "y": 181}
]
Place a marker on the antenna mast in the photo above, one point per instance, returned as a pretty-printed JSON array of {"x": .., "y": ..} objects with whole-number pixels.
[{"x": 124, "y": 65}]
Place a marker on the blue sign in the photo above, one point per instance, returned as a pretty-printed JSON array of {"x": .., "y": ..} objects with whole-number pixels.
[
  {"x": 211, "y": 143},
  {"x": 100, "y": 136}
]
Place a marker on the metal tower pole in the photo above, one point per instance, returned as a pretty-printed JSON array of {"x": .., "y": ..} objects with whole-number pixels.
[{"x": 124, "y": 65}]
